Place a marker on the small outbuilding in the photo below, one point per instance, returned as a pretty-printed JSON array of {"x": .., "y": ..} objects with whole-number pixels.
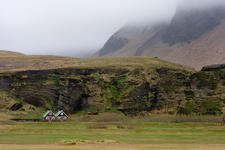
[
  {"x": 61, "y": 116},
  {"x": 49, "y": 116}
]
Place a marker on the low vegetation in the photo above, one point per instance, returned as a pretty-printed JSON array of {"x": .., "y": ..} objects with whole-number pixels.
[
  {"x": 19, "y": 62},
  {"x": 136, "y": 135},
  {"x": 131, "y": 85}
]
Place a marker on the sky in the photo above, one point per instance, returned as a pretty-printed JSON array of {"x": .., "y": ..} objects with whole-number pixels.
[{"x": 72, "y": 27}]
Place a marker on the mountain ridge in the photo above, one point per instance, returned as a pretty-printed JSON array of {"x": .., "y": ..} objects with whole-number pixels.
[{"x": 195, "y": 37}]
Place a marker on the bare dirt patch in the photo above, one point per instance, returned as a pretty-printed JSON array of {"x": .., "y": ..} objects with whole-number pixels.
[{"x": 112, "y": 147}]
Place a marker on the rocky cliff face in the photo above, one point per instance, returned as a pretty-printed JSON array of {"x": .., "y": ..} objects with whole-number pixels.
[
  {"x": 131, "y": 91},
  {"x": 195, "y": 37},
  {"x": 113, "y": 44},
  {"x": 128, "y": 39},
  {"x": 190, "y": 24}
]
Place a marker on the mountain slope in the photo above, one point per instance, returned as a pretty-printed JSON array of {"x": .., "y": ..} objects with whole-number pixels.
[
  {"x": 195, "y": 37},
  {"x": 127, "y": 40},
  {"x": 9, "y": 54}
]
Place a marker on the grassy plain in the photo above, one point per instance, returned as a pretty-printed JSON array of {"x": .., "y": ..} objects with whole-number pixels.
[
  {"x": 19, "y": 62},
  {"x": 132, "y": 135}
]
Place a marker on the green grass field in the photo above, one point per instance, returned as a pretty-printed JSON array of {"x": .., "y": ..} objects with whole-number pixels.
[
  {"x": 12, "y": 63},
  {"x": 132, "y": 135}
]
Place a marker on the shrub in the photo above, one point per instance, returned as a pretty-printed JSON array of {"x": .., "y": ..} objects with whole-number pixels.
[
  {"x": 192, "y": 107},
  {"x": 183, "y": 111},
  {"x": 211, "y": 107}
]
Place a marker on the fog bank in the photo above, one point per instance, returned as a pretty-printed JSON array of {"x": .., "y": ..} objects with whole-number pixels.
[{"x": 77, "y": 27}]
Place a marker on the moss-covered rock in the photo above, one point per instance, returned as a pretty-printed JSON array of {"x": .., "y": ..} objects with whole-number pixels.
[{"x": 131, "y": 91}]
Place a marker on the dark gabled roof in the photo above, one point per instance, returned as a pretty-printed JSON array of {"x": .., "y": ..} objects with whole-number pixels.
[{"x": 59, "y": 112}]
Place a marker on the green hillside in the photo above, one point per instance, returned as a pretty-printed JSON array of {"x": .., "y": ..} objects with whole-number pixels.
[
  {"x": 131, "y": 85},
  {"x": 17, "y": 62}
]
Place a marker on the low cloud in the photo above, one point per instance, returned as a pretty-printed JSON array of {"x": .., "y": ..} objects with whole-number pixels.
[
  {"x": 76, "y": 27},
  {"x": 200, "y": 3}
]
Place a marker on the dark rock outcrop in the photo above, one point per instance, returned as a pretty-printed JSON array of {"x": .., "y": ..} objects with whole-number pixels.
[
  {"x": 114, "y": 44},
  {"x": 16, "y": 106},
  {"x": 5, "y": 82},
  {"x": 190, "y": 24},
  {"x": 213, "y": 67},
  {"x": 132, "y": 91}
]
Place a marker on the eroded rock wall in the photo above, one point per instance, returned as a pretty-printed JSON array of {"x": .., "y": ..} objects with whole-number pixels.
[{"x": 161, "y": 90}]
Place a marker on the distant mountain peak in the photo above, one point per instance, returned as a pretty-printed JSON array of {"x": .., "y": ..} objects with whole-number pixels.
[
  {"x": 194, "y": 37},
  {"x": 190, "y": 24}
]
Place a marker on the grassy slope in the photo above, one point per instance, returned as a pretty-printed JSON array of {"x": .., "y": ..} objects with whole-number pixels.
[
  {"x": 10, "y": 62},
  {"x": 18, "y": 62},
  {"x": 10, "y": 54}
]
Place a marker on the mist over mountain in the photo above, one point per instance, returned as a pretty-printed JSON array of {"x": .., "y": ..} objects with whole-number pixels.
[
  {"x": 199, "y": 4},
  {"x": 144, "y": 28},
  {"x": 72, "y": 27},
  {"x": 194, "y": 37}
]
